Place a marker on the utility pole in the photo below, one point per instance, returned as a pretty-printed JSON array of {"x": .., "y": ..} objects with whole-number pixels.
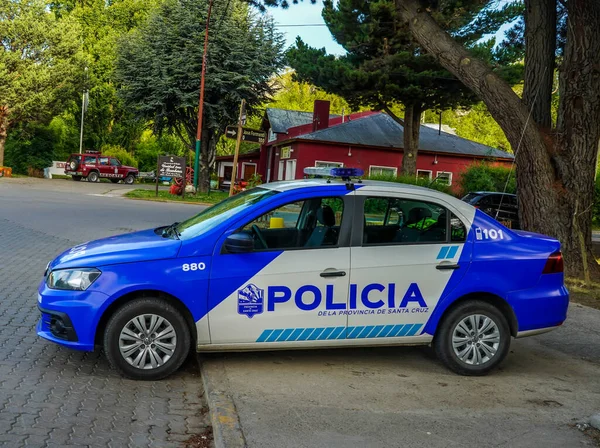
[
  {"x": 201, "y": 101},
  {"x": 237, "y": 145},
  {"x": 84, "y": 103}
]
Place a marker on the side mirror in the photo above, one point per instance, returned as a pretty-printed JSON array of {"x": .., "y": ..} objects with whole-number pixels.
[{"x": 239, "y": 243}]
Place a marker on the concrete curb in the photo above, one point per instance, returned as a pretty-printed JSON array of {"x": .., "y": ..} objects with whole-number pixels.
[
  {"x": 227, "y": 431},
  {"x": 207, "y": 204}
]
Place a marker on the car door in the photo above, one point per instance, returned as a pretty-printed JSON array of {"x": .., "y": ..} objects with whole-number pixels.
[
  {"x": 289, "y": 290},
  {"x": 408, "y": 254}
]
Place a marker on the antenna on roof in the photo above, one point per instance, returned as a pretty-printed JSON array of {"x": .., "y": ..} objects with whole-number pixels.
[{"x": 342, "y": 114}]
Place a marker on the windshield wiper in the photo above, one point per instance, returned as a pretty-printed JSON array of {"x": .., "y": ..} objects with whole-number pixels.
[{"x": 171, "y": 230}]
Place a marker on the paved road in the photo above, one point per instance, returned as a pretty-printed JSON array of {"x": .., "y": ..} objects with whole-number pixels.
[{"x": 51, "y": 396}]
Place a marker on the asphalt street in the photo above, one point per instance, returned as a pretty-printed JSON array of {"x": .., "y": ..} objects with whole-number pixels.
[{"x": 51, "y": 396}]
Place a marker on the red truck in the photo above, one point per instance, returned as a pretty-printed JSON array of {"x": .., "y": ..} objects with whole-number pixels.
[{"x": 93, "y": 166}]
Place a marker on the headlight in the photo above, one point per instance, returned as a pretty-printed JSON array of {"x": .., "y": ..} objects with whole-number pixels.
[{"x": 72, "y": 279}]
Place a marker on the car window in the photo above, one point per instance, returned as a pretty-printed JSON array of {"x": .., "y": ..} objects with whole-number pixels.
[
  {"x": 114, "y": 162},
  {"x": 403, "y": 221},
  {"x": 89, "y": 160},
  {"x": 458, "y": 230},
  {"x": 469, "y": 197},
  {"x": 311, "y": 223},
  {"x": 219, "y": 213},
  {"x": 103, "y": 160}
]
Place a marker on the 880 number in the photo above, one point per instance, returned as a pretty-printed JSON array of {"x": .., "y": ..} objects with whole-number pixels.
[{"x": 193, "y": 267}]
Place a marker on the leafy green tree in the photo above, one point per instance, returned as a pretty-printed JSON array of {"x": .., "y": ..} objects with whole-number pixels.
[
  {"x": 159, "y": 68},
  {"x": 384, "y": 66},
  {"x": 40, "y": 63}
]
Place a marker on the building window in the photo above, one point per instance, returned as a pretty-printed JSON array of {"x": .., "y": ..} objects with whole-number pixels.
[
  {"x": 280, "y": 171},
  {"x": 325, "y": 164},
  {"x": 290, "y": 169},
  {"x": 386, "y": 171},
  {"x": 444, "y": 177},
  {"x": 424, "y": 174}
]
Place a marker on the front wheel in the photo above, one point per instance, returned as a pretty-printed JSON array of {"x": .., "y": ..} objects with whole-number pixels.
[
  {"x": 129, "y": 179},
  {"x": 473, "y": 338},
  {"x": 147, "y": 339}
]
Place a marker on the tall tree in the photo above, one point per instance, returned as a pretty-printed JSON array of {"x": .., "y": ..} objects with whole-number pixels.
[
  {"x": 159, "y": 69},
  {"x": 384, "y": 65},
  {"x": 40, "y": 63}
]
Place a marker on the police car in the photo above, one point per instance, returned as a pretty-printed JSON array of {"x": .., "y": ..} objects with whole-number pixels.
[{"x": 308, "y": 264}]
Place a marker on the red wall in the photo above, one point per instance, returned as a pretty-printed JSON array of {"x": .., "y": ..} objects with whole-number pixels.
[{"x": 307, "y": 153}]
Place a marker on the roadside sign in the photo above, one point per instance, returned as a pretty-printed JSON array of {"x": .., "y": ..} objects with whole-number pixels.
[
  {"x": 170, "y": 166},
  {"x": 248, "y": 135}
]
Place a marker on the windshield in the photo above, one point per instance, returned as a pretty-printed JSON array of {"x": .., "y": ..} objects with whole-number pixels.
[{"x": 218, "y": 213}]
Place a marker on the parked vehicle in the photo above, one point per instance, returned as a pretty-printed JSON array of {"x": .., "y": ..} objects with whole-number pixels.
[
  {"x": 93, "y": 166},
  {"x": 308, "y": 264},
  {"x": 503, "y": 207}
]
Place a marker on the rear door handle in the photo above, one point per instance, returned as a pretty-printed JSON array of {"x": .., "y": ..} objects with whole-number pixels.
[
  {"x": 333, "y": 273},
  {"x": 445, "y": 266}
]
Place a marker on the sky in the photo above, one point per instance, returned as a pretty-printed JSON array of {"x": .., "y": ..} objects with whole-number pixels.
[
  {"x": 301, "y": 14},
  {"x": 305, "y": 13}
]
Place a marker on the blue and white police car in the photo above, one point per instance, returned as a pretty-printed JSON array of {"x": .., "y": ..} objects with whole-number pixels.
[{"x": 308, "y": 264}]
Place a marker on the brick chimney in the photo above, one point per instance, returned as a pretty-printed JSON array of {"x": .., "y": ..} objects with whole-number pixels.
[{"x": 320, "y": 115}]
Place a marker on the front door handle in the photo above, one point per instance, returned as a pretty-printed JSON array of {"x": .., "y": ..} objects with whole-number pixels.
[
  {"x": 445, "y": 266},
  {"x": 332, "y": 273}
]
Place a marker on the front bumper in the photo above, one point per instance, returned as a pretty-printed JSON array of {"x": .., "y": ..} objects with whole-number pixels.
[{"x": 69, "y": 318}]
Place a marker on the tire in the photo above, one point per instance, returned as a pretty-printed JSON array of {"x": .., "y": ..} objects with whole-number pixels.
[
  {"x": 93, "y": 176},
  {"x": 73, "y": 164},
  {"x": 115, "y": 181},
  {"x": 129, "y": 179},
  {"x": 122, "y": 319},
  {"x": 450, "y": 328},
  {"x": 76, "y": 178}
]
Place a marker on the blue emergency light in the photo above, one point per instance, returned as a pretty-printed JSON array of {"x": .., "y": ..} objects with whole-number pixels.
[{"x": 344, "y": 173}]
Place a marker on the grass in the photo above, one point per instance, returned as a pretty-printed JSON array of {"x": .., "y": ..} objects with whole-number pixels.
[
  {"x": 585, "y": 294},
  {"x": 165, "y": 196}
]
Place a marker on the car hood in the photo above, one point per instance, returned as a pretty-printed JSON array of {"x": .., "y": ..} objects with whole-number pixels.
[
  {"x": 130, "y": 168},
  {"x": 128, "y": 248}
]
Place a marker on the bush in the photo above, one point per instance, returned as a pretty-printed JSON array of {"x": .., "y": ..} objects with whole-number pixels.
[
  {"x": 150, "y": 147},
  {"x": 413, "y": 180},
  {"x": 486, "y": 177},
  {"x": 120, "y": 153},
  {"x": 30, "y": 149}
]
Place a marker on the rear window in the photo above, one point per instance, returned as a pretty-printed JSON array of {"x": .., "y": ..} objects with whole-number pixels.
[{"x": 469, "y": 198}]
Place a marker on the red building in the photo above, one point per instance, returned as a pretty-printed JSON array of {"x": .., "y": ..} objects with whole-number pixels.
[{"x": 368, "y": 140}]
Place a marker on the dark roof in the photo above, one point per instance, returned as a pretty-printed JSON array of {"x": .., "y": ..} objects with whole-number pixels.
[
  {"x": 282, "y": 119},
  {"x": 382, "y": 131}
]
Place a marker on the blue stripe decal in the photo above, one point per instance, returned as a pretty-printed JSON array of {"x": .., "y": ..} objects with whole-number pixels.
[
  {"x": 305, "y": 334},
  {"x": 264, "y": 335},
  {"x": 296, "y": 334},
  {"x": 332, "y": 333},
  {"x": 365, "y": 332},
  {"x": 285, "y": 335},
  {"x": 375, "y": 331},
  {"x": 384, "y": 333},
  {"x": 443, "y": 253},
  {"x": 274, "y": 335},
  {"x": 337, "y": 332},
  {"x": 326, "y": 333},
  {"x": 452, "y": 252},
  {"x": 315, "y": 335},
  {"x": 395, "y": 331},
  {"x": 414, "y": 329},
  {"x": 405, "y": 330}
]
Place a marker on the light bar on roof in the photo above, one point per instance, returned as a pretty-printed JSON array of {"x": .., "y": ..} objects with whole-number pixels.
[{"x": 334, "y": 172}]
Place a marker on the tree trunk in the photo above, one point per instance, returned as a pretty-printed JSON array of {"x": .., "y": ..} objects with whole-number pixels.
[
  {"x": 3, "y": 131},
  {"x": 206, "y": 146},
  {"x": 412, "y": 130},
  {"x": 555, "y": 174},
  {"x": 540, "y": 55}
]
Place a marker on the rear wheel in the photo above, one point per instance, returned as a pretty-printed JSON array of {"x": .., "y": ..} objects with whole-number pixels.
[
  {"x": 76, "y": 178},
  {"x": 473, "y": 338},
  {"x": 93, "y": 177},
  {"x": 147, "y": 339},
  {"x": 115, "y": 181},
  {"x": 129, "y": 179}
]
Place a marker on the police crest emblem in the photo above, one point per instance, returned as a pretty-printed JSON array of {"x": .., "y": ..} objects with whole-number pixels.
[{"x": 251, "y": 300}]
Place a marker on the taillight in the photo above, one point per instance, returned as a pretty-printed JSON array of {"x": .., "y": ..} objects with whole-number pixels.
[{"x": 554, "y": 264}]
